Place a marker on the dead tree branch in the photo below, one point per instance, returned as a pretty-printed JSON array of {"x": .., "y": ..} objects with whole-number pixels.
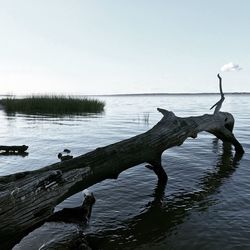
[{"x": 219, "y": 103}]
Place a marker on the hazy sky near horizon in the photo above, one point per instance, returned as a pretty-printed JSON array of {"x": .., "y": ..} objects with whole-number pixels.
[{"x": 115, "y": 46}]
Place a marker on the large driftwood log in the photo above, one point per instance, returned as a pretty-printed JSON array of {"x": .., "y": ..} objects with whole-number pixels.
[{"x": 28, "y": 198}]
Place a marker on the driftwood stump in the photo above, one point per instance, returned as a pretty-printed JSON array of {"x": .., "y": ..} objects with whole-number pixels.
[{"x": 28, "y": 198}]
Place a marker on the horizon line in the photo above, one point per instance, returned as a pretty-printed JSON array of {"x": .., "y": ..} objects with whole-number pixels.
[
  {"x": 136, "y": 94},
  {"x": 175, "y": 93}
]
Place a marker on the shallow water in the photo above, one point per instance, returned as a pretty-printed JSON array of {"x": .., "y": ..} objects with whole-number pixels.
[{"x": 206, "y": 202}]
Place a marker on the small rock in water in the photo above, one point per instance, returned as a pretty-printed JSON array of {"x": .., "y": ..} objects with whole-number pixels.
[{"x": 66, "y": 151}]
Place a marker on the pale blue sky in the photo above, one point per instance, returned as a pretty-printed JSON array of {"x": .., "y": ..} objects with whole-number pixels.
[{"x": 115, "y": 46}]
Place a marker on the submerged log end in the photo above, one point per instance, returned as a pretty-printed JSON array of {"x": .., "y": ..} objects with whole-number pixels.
[
  {"x": 238, "y": 147},
  {"x": 226, "y": 135},
  {"x": 156, "y": 166},
  {"x": 79, "y": 214}
]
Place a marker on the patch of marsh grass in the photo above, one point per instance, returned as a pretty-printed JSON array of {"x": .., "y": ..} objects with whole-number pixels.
[{"x": 52, "y": 104}]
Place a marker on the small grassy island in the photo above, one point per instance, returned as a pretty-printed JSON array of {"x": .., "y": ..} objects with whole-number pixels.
[{"x": 52, "y": 104}]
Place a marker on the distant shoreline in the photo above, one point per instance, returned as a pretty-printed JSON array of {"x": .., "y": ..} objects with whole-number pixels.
[
  {"x": 175, "y": 94},
  {"x": 142, "y": 94}
]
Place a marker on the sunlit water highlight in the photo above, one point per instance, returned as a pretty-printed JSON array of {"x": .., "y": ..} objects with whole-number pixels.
[{"x": 206, "y": 202}]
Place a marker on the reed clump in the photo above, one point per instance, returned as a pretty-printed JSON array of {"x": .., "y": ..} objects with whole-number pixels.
[{"x": 52, "y": 104}]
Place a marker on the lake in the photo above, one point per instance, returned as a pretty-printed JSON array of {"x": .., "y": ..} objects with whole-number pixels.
[{"x": 205, "y": 205}]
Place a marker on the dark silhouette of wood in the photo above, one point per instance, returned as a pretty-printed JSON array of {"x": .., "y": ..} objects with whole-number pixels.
[
  {"x": 28, "y": 198},
  {"x": 158, "y": 170},
  {"x": 64, "y": 157},
  {"x": 77, "y": 215},
  {"x": 14, "y": 149}
]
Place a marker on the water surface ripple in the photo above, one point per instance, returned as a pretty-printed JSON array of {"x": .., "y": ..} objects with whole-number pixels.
[{"x": 205, "y": 204}]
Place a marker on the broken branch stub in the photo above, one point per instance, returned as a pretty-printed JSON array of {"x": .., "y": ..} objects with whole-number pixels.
[{"x": 218, "y": 104}]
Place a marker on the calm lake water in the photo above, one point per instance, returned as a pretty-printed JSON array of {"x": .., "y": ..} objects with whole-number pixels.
[{"x": 205, "y": 205}]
